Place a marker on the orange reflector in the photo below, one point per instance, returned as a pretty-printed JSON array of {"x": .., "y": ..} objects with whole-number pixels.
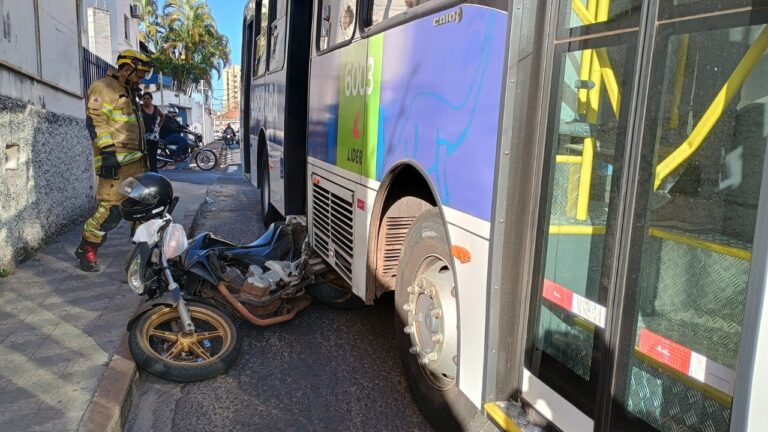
[
  {"x": 316, "y": 180},
  {"x": 461, "y": 253}
]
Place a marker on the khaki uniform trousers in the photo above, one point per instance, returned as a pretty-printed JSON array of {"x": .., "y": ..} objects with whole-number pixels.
[{"x": 107, "y": 215}]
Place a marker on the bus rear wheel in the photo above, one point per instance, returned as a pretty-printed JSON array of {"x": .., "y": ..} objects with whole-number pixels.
[{"x": 427, "y": 324}]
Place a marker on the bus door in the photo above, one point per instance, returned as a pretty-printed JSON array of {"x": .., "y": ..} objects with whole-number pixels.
[
  {"x": 649, "y": 195},
  {"x": 245, "y": 97}
]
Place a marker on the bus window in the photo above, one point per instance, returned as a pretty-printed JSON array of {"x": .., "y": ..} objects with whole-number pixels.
[
  {"x": 577, "y": 16},
  {"x": 677, "y": 8},
  {"x": 586, "y": 155},
  {"x": 337, "y": 22},
  {"x": 277, "y": 35},
  {"x": 383, "y": 9},
  {"x": 260, "y": 56},
  {"x": 706, "y": 138}
]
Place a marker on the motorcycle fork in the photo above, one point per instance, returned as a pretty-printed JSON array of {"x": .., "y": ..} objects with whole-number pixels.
[{"x": 175, "y": 290}]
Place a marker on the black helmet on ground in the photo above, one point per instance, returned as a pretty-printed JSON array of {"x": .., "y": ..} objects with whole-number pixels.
[{"x": 148, "y": 196}]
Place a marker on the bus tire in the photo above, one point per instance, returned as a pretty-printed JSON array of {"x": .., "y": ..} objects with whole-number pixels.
[
  {"x": 425, "y": 281},
  {"x": 268, "y": 213}
]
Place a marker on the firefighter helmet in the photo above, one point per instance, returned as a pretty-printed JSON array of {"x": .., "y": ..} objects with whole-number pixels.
[{"x": 136, "y": 59}]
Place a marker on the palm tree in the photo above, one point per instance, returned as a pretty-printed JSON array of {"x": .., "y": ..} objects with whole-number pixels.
[
  {"x": 150, "y": 29},
  {"x": 190, "y": 46}
]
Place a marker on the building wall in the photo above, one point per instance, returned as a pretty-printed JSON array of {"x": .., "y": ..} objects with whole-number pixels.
[
  {"x": 231, "y": 88},
  {"x": 46, "y": 174},
  {"x": 112, "y": 34}
]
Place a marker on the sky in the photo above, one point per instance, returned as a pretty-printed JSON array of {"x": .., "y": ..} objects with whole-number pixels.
[{"x": 229, "y": 18}]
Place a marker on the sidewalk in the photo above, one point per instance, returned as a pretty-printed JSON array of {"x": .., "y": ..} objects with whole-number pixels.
[{"x": 65, "y": 363}]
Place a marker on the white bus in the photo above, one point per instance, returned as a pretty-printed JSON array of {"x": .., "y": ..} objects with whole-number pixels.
[{"x": 567, "y": 198}]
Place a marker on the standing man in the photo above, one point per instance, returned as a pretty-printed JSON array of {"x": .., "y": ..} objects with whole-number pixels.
[{"x": 115, "y": 124}]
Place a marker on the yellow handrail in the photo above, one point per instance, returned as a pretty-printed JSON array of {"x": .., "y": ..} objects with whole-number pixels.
[
  {"x": 715, "y": 110},
  {"x": 611, "y": 85},
  {"x": 677, "y": 93},
  {"x": 601, "y": 11}
]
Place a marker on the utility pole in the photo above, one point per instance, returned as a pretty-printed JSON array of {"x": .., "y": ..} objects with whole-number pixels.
[{"x": 202, "y": 90}]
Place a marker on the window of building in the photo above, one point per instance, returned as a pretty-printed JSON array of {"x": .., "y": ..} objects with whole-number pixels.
[{"x": 127, "y": 27}]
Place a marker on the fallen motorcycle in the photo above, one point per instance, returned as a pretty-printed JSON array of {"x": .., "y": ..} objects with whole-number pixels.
[{"x": 182, "y": 333}]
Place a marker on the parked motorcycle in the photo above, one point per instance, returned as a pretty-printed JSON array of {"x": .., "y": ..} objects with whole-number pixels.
[
  {"x": 182, "y": 333},
  {"x": 205, "y": 159}
]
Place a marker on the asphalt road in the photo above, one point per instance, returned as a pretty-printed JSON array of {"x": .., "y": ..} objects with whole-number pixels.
[{"x": 326, "y": 370}]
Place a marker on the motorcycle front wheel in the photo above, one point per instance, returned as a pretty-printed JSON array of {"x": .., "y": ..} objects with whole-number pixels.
[
  {"x": 160, "y": 162},
  {"x": 159, "y": 346},
  {"x": 206, "y": 159}
]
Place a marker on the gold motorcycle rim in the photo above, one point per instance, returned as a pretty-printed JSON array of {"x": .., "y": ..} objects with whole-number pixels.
[{"x": 211, "y": 339}]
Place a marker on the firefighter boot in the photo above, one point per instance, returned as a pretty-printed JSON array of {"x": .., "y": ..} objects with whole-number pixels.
[{"x": 86, "y": 253}]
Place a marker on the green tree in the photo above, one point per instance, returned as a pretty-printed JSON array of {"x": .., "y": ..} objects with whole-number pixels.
[
  {"x": 188, "y": 44},
  {"x": 150, "y": 29}
]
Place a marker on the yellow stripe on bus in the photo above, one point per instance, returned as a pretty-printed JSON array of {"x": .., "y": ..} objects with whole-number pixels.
[
  {"x": 577, "y": 229},
  {"x": 702, "y": 244},
  {"x": 501, "y": 419},
  {"x": 658, "y": 233},
  {"x": 716, "y": 395}
]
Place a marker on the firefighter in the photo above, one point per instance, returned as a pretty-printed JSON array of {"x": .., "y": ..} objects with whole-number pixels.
[{"x": 115, "y": 124}]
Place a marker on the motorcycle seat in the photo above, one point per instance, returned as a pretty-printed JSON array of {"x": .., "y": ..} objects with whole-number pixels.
[
  {"x": 271, "y": 245},
  {"x": 266, "y": 239}
]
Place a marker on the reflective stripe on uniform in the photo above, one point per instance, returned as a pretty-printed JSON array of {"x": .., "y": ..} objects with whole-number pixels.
[
  {"x": 123, "y": 158},
  {"x": 117, "y": 115},
  {"x": 104, "y": 140}
]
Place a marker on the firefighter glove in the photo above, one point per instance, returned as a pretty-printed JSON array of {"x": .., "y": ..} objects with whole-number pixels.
[{"x": 109, "y": 165}]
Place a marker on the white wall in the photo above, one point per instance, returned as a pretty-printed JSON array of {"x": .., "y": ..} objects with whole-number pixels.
[{"x": 55, "y": 82}]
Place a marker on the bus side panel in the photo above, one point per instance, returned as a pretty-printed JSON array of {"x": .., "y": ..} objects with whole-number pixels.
[{"x": 439, "y": 102}]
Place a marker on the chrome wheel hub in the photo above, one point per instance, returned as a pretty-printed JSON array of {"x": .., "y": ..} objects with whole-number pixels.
[{"x": 432, "y": 322}]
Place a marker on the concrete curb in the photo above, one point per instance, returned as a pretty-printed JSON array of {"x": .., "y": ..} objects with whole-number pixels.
[{"x": 108, "y": 410}]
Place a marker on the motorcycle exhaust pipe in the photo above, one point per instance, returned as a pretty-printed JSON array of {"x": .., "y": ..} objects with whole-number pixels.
[{"x": 301, "y": 304}]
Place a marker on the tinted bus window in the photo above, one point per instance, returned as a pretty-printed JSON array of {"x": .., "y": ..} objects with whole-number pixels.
[
  {"x": 260, "y": 56},
  {"x": 679, "y": 8},
  {"x": 383, "y": 9},
  {"x": 337, "y": 22},
  {"x": 277, "y": 36},
  {"x": 705, "y": 135},
  {"x": 594, "y": 16},
  {"x": 587, "y": 150}
]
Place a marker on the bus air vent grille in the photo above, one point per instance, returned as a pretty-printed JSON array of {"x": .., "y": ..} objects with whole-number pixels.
[
  {"x": 332, "y": 217},
  {"x": 397, "y": 228}
]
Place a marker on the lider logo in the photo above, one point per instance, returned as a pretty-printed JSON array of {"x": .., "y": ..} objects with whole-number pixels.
[
  {"x": 453, "y": 17},
  {"x": 355, "y": 126}
]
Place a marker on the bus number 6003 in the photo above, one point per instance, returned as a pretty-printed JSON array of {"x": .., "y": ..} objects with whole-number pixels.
[{"x": 358, "y": 78}]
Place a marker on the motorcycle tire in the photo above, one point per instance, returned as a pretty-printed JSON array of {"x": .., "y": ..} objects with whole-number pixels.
[
  {"x": 159, "y": 347},
  {"x": 326, "y": 290},
  {"x": 162, "y": 163},
  {"x": 207, "y": 155}
]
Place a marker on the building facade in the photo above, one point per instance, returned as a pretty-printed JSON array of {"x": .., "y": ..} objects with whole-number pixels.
[
  {"x": 108, "y": 27},
  {"x": 46, "y": 162},
  {"x": 231, "y": 88}
]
